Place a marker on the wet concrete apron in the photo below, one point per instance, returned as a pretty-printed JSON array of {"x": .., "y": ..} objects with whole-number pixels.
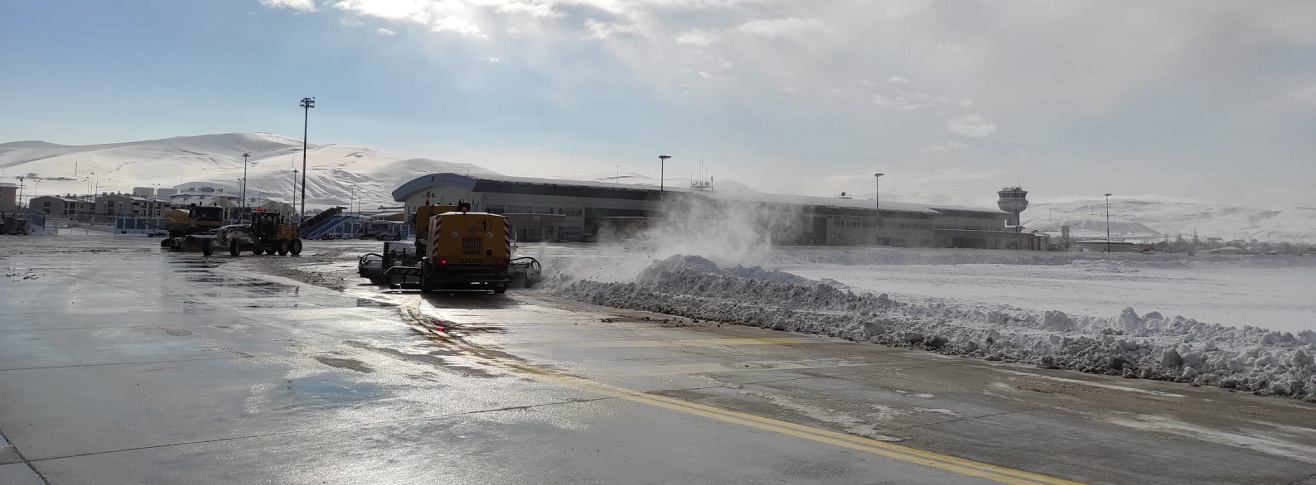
[{"x": 123, "y": 364}]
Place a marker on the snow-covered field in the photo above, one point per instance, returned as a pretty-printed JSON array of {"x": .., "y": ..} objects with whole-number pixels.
[
  {"x": 1242, "y": 322},
  {"x": 1262, "y": 291}
]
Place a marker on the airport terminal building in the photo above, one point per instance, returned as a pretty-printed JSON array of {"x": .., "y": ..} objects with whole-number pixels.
[{"x": 567, "y": 210}]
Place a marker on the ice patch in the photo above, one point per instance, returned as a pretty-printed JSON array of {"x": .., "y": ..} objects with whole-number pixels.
[
  {"x": 1271, "y": 445},
  {"x": 852, "y": 424}
]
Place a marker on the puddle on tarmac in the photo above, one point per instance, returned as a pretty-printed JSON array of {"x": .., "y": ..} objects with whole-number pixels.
[
  {"x": 365, "y": 302},
  {"x": 327, "y": 389},
  {"x": 443, "y": 358},
  {"x": 251, "y": 285},
  {"x": 350, "y": 364},
  {"x": 193, "y": 264}
]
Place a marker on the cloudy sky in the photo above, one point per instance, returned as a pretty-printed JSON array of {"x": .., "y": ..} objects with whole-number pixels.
[{"x": 1197, "y": 99}]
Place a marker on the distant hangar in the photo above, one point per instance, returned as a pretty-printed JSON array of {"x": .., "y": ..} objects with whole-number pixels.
[{"x": 571, "y": 210}]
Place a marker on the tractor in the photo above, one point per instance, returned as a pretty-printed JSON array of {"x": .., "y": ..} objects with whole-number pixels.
[{"x": 265, "y": 234}]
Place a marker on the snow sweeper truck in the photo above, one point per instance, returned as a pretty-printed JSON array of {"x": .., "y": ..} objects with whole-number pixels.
[{"x": 454, "y": 250}]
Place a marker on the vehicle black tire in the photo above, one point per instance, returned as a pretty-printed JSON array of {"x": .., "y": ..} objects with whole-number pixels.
[
  {"x": 234, "y": 249},
  {"x": 295, "y": 247},
  {"x": 164, "y": 243},
  {"x": 270, "y": 250},
  {"x": 500, "y": 289},
  {"x": 257, "y": 250},
  {"x": 283, "y": 247},
  {"x": 207, "y": 249}
]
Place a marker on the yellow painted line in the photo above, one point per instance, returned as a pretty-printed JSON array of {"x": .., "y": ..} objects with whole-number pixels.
[
  {"x": 881, "y": 448},
  {"x": 890, "y": 450}
]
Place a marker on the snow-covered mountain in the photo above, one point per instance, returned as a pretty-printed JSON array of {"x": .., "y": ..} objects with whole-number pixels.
[
  {"x": 1154, "y": 219},
  {"x": 335, "y": 171}
]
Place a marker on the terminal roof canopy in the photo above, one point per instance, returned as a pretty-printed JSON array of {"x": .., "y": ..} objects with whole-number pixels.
[{"x": 425, "y": 182}]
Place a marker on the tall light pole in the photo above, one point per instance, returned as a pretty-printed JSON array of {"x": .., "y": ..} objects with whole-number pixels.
[
  {"x": 662, "y": 162},
  {"x": 244, "y": 179},
  {"x": 1107, "y": 223},
  {"x": 307, "y": 104},
  {"x": 877, "y": 205},
  {"x": 20, "y": 193}
]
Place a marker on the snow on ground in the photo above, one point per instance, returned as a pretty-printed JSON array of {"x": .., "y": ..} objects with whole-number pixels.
[
  {"x": 1261, "y": 291},
  {"x": 1149, "y": 345},
  {"x": 1205, "y": 319},
  {"x": 338, "y": 174},
  {"x": 1152, "y": 218}
]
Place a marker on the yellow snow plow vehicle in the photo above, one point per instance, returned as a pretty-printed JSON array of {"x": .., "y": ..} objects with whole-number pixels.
[
  {"x": 193, "y": 229},
  {"x": 265, "y": 234},
  {"x": 454, "y": 250}
]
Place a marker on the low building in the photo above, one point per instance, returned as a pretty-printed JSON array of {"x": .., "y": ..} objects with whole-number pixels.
[
  {"x": 62, "y": 207},
  {"x": 123, "y": 205},
  {"x": 566, "y": 210},
  {"x": 8, "y": 197},
  {"x": 147, "y": 192}
]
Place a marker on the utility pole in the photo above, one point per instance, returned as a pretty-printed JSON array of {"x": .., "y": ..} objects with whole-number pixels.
[
  {"x": 294, "y": 192},
  {"x": 1107, "y": 223},
  {"x": 307, "y": 104},
  {"x": 662, "y": 162},
  {"x": 20, "y": 193},
  {"x": 244, "y": 179},
  {"x": 877, "y": 203}
]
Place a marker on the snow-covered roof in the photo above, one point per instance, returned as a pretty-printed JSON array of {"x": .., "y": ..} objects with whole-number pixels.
[
  {"x": 419, "y": 184},
  {"x": 820, "y": 201},
  {"x": 8, "y": 185}
]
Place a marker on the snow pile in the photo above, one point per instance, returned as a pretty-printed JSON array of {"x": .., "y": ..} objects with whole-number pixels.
[{"x": 1150, "y": 346}]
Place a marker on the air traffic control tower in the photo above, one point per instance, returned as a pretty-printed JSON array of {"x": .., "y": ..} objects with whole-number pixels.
[{"x": 1013, "y": 200}]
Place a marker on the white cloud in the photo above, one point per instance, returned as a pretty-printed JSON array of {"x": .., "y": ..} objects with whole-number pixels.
[
  {"x": 881, "y": 100},
  {"x": 697, "y": 37},
  {"x": 966, "y": 103},
  {"x": 604, "y": 30},
  {"x": 1304, "y": 95},
  {"x": 384, "y": 31},
  {"x": 971, "y": 125},
  {"x": 534, "y": 8},
  {"x": 948, "y": 147},
  {"x": 784, "y": 27},
  {"x": 418, "y": 11},
  {"x": 492, "y": 60},
  {"x": 303, "y": 5},
  {"x": 350, "y": 21},
  {"x": 898, "y": 80},
  {"x": 459, "y": 26}
]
